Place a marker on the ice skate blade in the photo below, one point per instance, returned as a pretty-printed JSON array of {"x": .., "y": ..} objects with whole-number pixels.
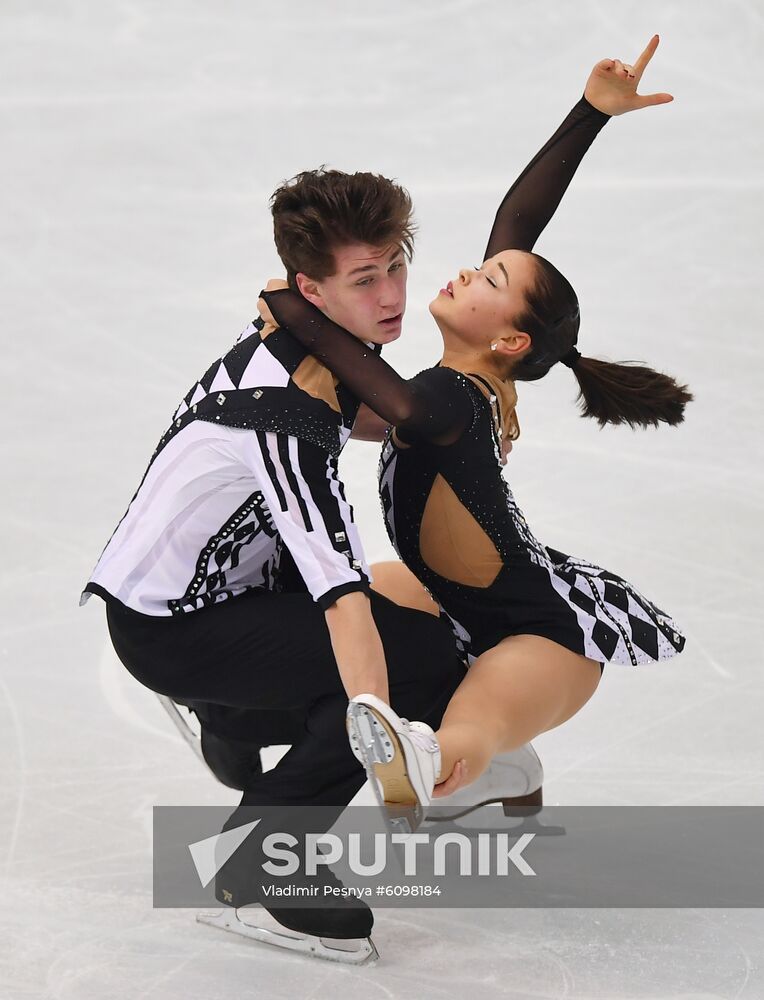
[
  {"x": 486, "y": 817},
  {"x": 181, "y": 723},
  {"x": 513, "y": 806},
  {"x": 353, "y": 951}
]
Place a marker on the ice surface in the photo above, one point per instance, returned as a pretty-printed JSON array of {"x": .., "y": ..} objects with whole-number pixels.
[{"x": 140, "y": 143}]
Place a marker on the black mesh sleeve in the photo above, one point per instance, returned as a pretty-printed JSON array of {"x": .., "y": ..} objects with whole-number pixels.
[
  {"x": 533, "y": 199},
  {"x": 434, "y": 408}
]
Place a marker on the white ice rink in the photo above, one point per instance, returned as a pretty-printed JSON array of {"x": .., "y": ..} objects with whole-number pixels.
[{"x": 140, "y": 144}]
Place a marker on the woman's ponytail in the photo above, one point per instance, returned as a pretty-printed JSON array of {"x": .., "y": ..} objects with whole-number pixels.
[
  {"x": 610, "y": 393},
  {"x": 628, "y": 394}
]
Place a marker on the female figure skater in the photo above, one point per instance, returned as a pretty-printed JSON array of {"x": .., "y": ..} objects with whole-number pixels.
[{"x": 535, "y": 623}]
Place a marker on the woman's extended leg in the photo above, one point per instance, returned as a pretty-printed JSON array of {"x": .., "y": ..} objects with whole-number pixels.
[{"x": 524, "y": 686}]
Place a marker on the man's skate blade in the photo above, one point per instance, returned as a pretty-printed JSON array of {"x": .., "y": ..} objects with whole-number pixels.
[
  {"x": 353, "y": 951},
  {"x": 183, "y": 725}
]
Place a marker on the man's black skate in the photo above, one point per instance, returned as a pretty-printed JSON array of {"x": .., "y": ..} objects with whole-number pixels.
[
  {"x": 330, "y": 925},
  {"x": 242, "y": 882}
]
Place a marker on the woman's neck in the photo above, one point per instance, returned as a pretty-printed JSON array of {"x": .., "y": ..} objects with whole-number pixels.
[{"x": 466, "y": 361}]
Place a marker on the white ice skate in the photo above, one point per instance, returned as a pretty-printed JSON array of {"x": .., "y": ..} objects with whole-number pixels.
[
  {"x": 513, "y": 780},
  {"x": 509, "y": 789},
  {"x": 402, "y": 759}
]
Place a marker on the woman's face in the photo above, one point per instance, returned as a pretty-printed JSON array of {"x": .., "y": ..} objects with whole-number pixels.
[{"x": 480, "y": 306}]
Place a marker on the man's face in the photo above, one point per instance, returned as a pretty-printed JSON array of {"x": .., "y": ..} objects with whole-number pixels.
[{"x": 367, "y": 292}]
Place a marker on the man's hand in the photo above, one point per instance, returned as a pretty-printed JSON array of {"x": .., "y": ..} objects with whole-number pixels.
[
  {"x": 265, "y": 314},
  {"x": 612, "y": 85}
]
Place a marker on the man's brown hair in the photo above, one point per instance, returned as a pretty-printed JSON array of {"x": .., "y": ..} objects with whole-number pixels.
[{"x": 318, "y": 211}]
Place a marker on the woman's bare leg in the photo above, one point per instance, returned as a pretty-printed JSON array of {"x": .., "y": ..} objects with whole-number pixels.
[
  {"x": 396, "y": 582},
  {"x": 524, "y": 686}
]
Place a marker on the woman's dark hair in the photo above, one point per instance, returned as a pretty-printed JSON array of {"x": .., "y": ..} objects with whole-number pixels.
[
  {"x": 320, "y": 210},
  {"x": 627, "y": 393}
]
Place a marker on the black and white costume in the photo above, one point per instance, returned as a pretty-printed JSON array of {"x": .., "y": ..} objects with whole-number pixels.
[
  {"x": 248, "y": 462},
  {"x": 454, "y": 521}
]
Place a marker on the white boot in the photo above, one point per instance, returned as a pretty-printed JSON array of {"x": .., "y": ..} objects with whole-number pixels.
[
  {"x": 514, "y": 779},
  {"x": 402, "y": 759}
]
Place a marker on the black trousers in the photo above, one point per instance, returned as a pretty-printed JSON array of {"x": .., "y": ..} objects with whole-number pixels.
[{"x": 272, "y": 653}]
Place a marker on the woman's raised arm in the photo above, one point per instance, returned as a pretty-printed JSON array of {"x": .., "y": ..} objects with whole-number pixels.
[{"x": 533, "y": 199}]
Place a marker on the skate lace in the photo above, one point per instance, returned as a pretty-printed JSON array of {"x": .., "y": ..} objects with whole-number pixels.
[{"x": 424, "y": 741}]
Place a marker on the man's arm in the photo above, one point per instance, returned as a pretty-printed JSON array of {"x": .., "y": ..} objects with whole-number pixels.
[
  {"x": 357, "y": 646},
  {"x": 307, "y": 504}
]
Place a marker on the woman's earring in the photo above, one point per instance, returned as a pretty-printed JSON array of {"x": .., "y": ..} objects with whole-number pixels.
[{"x": 494, "y": 346}]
